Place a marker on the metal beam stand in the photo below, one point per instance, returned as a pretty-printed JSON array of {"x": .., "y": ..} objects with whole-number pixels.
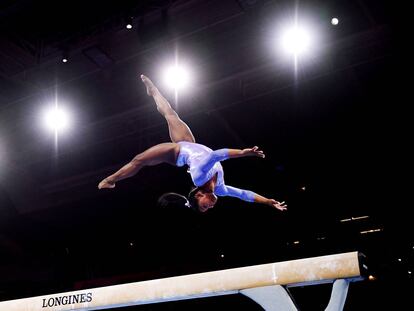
[
  {"x": 271, "y": 298},
  {"x": 276, "y": 298},
  {"x": 338, "y": 295}
]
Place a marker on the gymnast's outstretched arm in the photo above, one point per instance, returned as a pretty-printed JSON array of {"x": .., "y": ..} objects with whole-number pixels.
[
  {"x": 249, "y": 196},
  {"x": 224, "y": 154}
]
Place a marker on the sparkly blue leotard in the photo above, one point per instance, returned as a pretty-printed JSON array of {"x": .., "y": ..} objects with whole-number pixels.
[{"x": 204, "y": 163}]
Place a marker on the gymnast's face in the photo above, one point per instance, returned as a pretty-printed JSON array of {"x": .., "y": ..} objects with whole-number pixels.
[{"x": 206, "y": 200}]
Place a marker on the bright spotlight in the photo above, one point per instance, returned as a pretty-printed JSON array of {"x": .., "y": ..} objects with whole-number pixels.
[
  {"x": 65, "y": 56},
  {"x": 177, "y": 77},
  {"x": 334, "y": 21},
  {"x": 56, "y": 119},
  {"x": 296, "y": 40},
  {"x": 128, "y": 22}
]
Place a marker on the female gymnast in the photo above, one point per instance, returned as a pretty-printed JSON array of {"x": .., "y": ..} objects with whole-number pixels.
[{"x": 204, "y": 164}]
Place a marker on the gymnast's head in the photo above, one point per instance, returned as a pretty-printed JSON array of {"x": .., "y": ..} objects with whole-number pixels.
[{"x": 201, "y": 200}]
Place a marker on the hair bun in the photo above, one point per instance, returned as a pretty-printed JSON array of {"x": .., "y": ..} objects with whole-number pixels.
[{"x": 172, "y": 199}]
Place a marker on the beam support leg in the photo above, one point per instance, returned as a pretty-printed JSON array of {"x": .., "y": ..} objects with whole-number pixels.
[
  {"x": 338, "y": 295},
  {"x": 271, "y": 298}
]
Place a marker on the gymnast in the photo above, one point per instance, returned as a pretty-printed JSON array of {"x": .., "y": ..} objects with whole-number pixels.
[{"x": 203, "y": 163}]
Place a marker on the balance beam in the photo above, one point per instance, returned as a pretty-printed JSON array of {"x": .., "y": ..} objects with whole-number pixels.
[{"x": 243, "y": 280}]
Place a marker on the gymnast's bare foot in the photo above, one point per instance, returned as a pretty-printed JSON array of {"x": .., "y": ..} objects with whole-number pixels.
[
  {"x": 151, "y": 88},
  {"x": 106, "y": 184}
]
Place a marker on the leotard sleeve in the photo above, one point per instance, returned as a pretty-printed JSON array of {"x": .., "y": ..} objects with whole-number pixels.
[
  {"x": 245, "y": 195},
  {"x": 214, "y": 157}
]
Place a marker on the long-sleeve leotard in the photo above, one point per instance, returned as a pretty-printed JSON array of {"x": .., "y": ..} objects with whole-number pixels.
[{"x": 204, "y": 163}]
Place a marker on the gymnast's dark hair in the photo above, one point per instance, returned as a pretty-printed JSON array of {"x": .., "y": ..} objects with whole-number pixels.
[
  {"x": 172, "y": 199},
  {"x": 192, "y": 201}
]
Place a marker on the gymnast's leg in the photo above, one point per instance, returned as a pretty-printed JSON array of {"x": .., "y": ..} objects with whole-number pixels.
[
  {"x": 162, "y": 153},
  {"x": 179, "y": 130}
]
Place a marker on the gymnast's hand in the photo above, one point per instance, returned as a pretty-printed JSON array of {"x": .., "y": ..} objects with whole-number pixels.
[
  {"x": 279, "y": 205},
  {"x": 253, "y": 152}
]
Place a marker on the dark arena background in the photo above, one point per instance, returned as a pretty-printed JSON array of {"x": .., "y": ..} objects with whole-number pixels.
[{"x": 331, "y": 122}]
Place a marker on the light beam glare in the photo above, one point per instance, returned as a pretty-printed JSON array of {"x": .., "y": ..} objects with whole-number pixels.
[
  {"x": 296, "y": 40},
  {"x": 56, "y": 119},
  {"x": 177, "y": 77}
]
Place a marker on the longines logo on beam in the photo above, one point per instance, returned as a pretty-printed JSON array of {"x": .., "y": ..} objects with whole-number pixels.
[{"x": 66, "y": 300}]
